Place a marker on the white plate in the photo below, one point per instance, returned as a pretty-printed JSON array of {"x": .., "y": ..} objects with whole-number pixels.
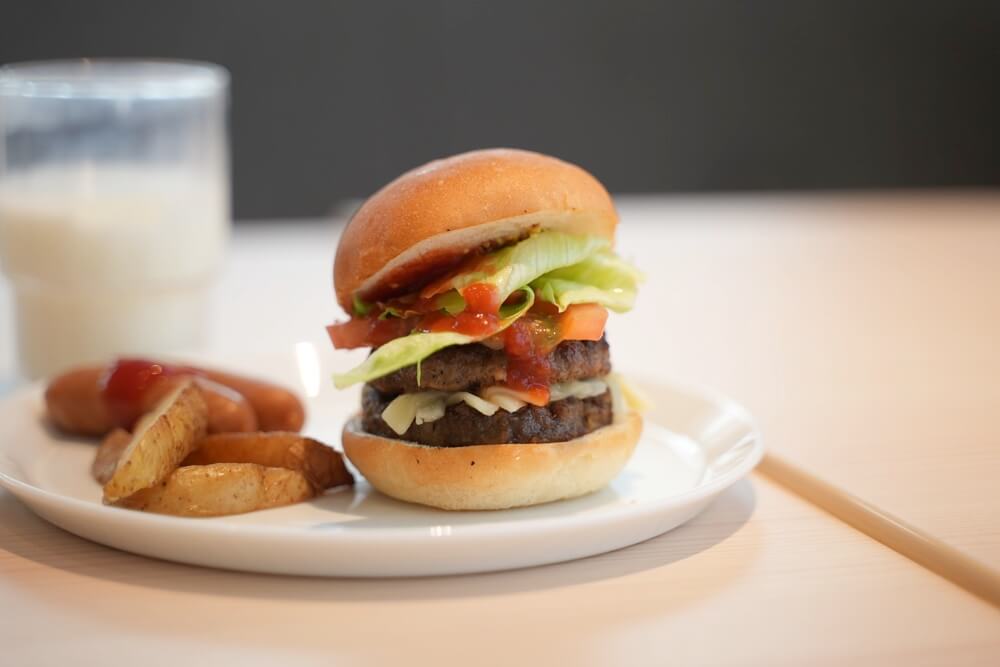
[{"x": 711, "y": 443}]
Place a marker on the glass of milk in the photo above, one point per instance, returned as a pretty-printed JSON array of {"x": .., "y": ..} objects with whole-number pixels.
[{"x": 114, "y": 205}]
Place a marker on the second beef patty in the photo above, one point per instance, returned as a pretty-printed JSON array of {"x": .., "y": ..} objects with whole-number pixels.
[
  {"x": 461, "y": 425},
  {"x": 471, "y": 367}
]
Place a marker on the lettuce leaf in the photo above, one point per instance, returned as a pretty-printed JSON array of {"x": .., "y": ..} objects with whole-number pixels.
[
  {"x": 513, "y": 267},
  {"x": 603, "y": 278},
  {"x": 412, "y": 349},
  {"x": 559, "y": 268},
  {"x": 451, "y": 302},
  {"x": 361, "y": 308}
]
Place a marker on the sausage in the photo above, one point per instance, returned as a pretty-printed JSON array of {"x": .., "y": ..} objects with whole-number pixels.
[
  {"x": 228, "y": 410},
  {"x": 277, "y": 408},
  {"x": 75, "y": 403}
]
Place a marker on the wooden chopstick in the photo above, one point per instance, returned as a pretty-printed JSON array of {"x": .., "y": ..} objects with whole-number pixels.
[{"x": 930, "y": 552}]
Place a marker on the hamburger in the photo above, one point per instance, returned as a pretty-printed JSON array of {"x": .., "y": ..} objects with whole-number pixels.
[{"x": 482, "y": 284}]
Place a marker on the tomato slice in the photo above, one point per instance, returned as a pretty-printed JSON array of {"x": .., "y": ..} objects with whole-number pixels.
[
  {"x": 350, "y": 334},
  {"x": 367, "y": 332},
  {"x": 583, "y": 321}
]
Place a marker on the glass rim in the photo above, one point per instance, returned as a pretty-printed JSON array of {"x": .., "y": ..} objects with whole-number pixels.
[{"x": 127, "y": 78}]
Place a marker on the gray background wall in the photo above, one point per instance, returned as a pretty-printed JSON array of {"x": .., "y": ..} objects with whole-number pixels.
[{"x": 331, "y": 99}]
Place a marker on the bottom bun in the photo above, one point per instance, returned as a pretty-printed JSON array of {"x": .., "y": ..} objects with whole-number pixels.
[{"x": 492, "y": 477}]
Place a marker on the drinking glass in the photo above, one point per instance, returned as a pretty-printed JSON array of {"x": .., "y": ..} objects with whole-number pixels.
[{"x": 114, "y": 205}]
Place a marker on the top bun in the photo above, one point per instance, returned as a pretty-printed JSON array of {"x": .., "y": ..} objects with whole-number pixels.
[{"x": 427, "y": 220}]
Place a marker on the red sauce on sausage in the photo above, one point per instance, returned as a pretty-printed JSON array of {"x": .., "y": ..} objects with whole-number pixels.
[{"x": 128, "y": 382}]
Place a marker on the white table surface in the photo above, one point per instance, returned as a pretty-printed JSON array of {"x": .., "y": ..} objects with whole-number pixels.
[{"x": 860, "y": 329}]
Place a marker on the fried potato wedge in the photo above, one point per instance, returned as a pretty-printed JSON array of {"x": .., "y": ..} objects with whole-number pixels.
[
  {"x": 323, "y": 466},
  {"x": 218, "y": 489},
  {"x": 106, "y": 459},
  {"x": 162, "y": 439}
]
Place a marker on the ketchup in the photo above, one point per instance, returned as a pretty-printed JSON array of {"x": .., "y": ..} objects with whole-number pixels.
[
  {"x": 527, "y": 344},
  {"x": 466, "y": 322},
  {"x": 480, "y": 317},
  {"x": 130, "y": 381},
  {"x": 482, "y": 298}
]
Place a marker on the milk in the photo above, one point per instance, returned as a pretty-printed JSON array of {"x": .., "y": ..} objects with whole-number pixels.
[{"x": 109, "y": 260}]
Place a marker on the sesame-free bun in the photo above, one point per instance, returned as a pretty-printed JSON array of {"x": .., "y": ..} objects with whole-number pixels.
[
  {"x": 492, "y": 477},
  {"x": 429, "y": 218}
]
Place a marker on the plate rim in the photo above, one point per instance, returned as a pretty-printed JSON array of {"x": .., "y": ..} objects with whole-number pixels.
[{"x": 398, "y": 534}]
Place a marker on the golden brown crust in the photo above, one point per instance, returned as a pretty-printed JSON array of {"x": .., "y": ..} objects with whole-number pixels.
[
  {"x": 487, "y": 477},
  {"x": 321, "y": 465},
  {"x": 431, "y": 217},
  {"x": 219, "y": 489}
]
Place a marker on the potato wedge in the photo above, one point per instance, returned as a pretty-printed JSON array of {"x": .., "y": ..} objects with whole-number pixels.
[
  {"x": 222, "y": 488},
  {"x": 323, "y": 466},
  {"x": 106, "y": 459},
  {"x": 162, "y": 439}
]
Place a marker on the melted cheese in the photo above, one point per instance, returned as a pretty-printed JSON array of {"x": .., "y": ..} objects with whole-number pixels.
[
  {"x": 427, "y": 406},
  {"x": 625, "y": 397}
]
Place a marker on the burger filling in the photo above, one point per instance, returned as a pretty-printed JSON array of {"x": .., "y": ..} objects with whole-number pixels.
[
  {"x": 463, "y": 424},
  {"x": 508, "y": 347}
]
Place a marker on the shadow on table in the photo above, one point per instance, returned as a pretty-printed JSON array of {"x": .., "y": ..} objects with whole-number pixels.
[{"x": 31, "y": 538}]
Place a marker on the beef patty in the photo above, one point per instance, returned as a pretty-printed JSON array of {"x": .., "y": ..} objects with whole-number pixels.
[
  {"x": 461, "y": 425},
  {"x": 471, "y": 367}
]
